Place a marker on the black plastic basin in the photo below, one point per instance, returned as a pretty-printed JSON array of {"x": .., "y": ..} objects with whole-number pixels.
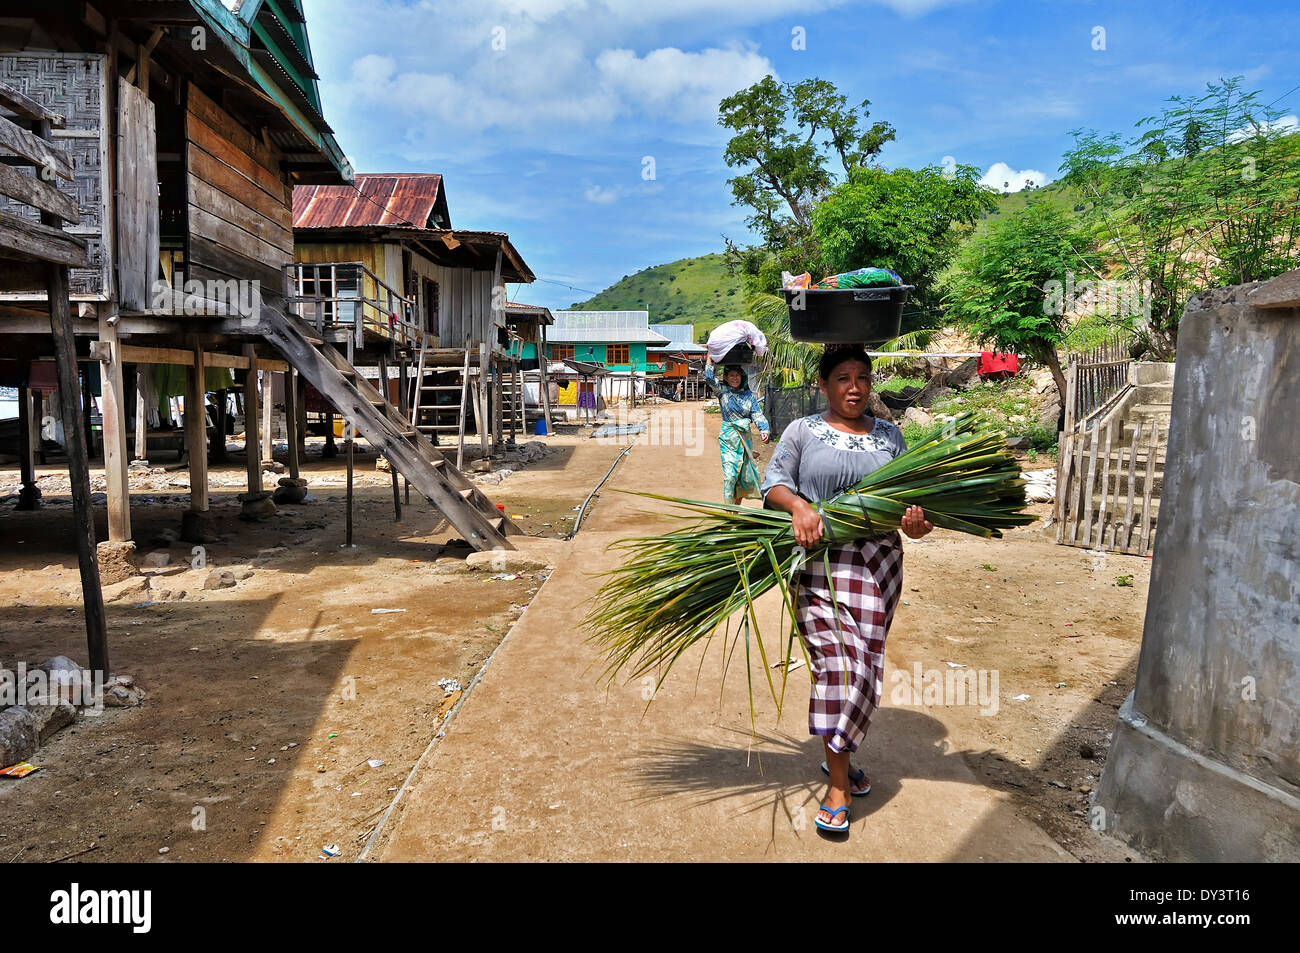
[
  {"x": 739, "y": 354},
  {"x": 868, "y": 316}
]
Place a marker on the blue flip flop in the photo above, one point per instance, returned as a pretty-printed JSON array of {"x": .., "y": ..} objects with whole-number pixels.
[
  {"x": 853, "y": 779},
  {"x": 827, "y": 826}
]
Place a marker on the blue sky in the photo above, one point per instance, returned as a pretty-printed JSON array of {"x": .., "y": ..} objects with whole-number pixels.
[{"x": 540, "y": 113}]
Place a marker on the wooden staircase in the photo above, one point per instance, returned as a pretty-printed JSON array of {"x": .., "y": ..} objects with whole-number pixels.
[{"x": 389, "y": 432}]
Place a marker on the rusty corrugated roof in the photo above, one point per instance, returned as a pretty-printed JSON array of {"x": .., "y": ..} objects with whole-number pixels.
[
  {"x": 541, "y": 312},
  {"x": 378, "y": 199}
]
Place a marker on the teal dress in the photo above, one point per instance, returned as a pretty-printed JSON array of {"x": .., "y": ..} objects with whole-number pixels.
[{"x": 740, "y": 410}]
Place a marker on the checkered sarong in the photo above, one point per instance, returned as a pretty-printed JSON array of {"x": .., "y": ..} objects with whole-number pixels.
[{"x": 848, "y": 659}]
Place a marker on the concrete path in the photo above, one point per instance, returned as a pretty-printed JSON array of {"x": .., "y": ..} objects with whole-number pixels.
[{"x": 546, "y": 763}]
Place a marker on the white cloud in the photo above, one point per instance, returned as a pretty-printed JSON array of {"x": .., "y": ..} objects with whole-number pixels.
[
  {"x": 1000, "y": 173},
  {"x": 558, "y": 86},
  {"x": 1285, "y": 125},
  {"x": 533, "y": 66},
  {"x": 600, "y": 195},
  {"x": 669, "y": 82}
]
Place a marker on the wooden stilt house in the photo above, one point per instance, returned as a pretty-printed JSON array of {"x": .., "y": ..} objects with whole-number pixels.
[
  {"x": 388, "y": 237},
  {"x": 149, "y": 153}
]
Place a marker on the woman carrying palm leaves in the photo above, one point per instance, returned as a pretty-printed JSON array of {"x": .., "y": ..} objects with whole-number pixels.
[{"x": 843, "y": 619}]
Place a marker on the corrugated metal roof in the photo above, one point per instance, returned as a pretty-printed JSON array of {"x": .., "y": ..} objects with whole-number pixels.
[
  {"x": 578, "y": 327},
  {"x": 378, "y": 199},
  {"x": 683, "y": 348},
  {"x": 541, "y": 312},
  {"x": 677, "y": 333},
  {"x": 557, "y": 335},
  {"x": 681, "y": 339}
]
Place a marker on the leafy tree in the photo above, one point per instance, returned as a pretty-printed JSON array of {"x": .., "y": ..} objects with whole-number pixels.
[
  {"x": 998, "y": 288},
  {"x": 785, "y": 134},
  {"x": 910, "y": 220},
  {"x": 1205, "y": 193}
]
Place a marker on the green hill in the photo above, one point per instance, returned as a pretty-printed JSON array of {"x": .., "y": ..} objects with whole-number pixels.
[
  {"x": 1055, "y": 192},
  {"x": 687, "y": 291},
  {"x": 699, "y": 291}
]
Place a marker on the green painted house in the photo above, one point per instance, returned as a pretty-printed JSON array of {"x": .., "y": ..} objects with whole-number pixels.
[{"x": 616, "y": 339}]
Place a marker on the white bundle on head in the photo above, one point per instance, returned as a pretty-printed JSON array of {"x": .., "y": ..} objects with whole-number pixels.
[{"x": 727, "y": 336}]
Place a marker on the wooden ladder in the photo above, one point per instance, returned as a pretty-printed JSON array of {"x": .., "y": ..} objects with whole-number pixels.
[
  {"x": 388, "y": 431},
  {"x": 438, "y": 419},
  {"x": 511, "y": 392}
]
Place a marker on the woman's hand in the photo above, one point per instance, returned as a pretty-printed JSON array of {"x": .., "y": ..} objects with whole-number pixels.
[
  {"x": 914, "y": 522},
  {"x": 808, "y": 528},
  {"x": 764, "y": 436}
]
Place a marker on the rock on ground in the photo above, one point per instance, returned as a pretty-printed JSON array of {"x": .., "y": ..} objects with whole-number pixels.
[
  {"x": 256, "y": 506},
  {"x": 290, "y": 490},
  {"x": 506, "y": 560},
  {"x": 121, "y": 691},
  {"x": 19, "y": 735},
  {"x": 914, "y": 415},
  {"x": 127, "y": 589},
  {"x": 116, "y": 561},
  {"x": 220, "y": 579},
  {"x": 50, "y": 719}
]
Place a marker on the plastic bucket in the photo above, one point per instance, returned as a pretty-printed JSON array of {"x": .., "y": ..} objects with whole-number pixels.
[
  {"x": 868, "y": 316},
  {"x": 740, "y": 354}
]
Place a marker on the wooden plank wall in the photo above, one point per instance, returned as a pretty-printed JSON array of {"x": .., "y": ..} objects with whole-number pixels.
[
  {"x": 239, "y": 203},
  {"x": 137, "y": 197},
  {"x": 464, "y": 303},
  {"x": 72, "y": 84}
]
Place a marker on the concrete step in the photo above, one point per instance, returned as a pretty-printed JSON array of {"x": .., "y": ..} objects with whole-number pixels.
[
  {"x": 1154, "y": 372},
  {"x": 1161, "y": 393},
  {"x": 1149, "y": 411},
  {"x": 1162, "y": 444}
]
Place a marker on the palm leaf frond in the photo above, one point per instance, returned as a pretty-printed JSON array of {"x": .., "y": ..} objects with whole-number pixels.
[{"x": 679, "y": 587}]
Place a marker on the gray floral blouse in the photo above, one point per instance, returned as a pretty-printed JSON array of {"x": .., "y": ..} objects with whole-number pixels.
[{"x": 817, "y": 461}]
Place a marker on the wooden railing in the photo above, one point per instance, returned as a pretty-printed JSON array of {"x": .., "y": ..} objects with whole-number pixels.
[
  {"x": 1105, "y": 484},
  {"x": 347, "y": 295},
  {"x": 1093, "y": 378},
  {"x": 1106, "y": 478}
]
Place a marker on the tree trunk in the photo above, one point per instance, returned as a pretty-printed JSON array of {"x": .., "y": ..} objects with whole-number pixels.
[
  {"x": 878, "y": 407},
  {"x": 1046, "y": 353}
]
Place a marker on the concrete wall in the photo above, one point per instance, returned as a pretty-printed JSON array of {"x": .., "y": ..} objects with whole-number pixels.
[{"x": 1205, "y": 763}]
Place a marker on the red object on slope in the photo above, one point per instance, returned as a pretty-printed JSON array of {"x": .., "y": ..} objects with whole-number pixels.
[{"x": 997, "y": 365}]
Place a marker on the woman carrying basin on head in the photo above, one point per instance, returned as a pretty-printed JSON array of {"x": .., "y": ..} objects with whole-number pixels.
[
  {"x": 843, "y": 619},
  {"x": 740, "y": 410}
]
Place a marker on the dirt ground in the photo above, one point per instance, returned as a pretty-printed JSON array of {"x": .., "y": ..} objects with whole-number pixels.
[{"x": 267, "y": 700}]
